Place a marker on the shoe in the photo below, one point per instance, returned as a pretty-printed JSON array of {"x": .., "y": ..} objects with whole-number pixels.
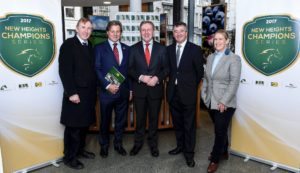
[
  {"x": 104, "y": 152},
  {"x": 86, "y": 154},
  {"x": 175, "y": 151},
  {"x": 190, "y": 163},
  {"x": 224, "y": 156},
  {"x": 74, "y": 164},
  {"x": 135, "y": 150},
  {"x": 121, "y": 150},
  {"x": 212, "y": 167},
  {"x": 154, "y": 151}
]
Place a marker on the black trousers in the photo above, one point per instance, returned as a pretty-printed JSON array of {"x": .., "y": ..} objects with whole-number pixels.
[
  {"x": 151, "y": 107},
  {"x": 74, "y": 141},
  {"x": 120, "y": 107},
  {"x": 184, "y": 124},
  {"x": 221, "y": 123}
]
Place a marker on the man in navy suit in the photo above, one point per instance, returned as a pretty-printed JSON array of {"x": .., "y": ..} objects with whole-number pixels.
[
  {"x": 148, "y": 67},
  {"x": 112, "y": 96},
  {"x": 186, "y": 71}
]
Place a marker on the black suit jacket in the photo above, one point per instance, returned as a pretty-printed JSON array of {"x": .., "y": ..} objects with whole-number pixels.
[
  {"x": 188, "y": 74},
  {"x": 77, "y": 73},
  {"x": 138, "y": 66}
]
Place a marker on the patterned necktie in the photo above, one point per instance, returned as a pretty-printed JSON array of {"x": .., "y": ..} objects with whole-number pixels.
[
  {"x": 178, "y": 55},
  {"x": 147, "y": 54},
  {"x": 116, "y": 53}
]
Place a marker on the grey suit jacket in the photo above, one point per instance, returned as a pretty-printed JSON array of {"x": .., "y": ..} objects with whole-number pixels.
[{"x": 222, "y": 85}]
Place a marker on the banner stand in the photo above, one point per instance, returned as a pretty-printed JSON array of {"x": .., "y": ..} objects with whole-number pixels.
[
  {"x": 267, "y": 162},
  {"x": 38, "y": 166}
]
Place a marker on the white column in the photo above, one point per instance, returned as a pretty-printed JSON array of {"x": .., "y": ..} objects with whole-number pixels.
[{"x": 135, "y": 5}]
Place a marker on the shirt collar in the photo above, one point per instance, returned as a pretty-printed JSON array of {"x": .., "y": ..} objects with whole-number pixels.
[
  {"x": 82, "y": 41},
  {"x": 182, "y": 44},
  {"x": 150, "y": 42},
  {"x": 112, "y": 43}
]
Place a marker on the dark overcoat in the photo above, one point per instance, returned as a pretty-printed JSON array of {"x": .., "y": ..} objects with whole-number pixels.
[{"x": 77, "y": 73}]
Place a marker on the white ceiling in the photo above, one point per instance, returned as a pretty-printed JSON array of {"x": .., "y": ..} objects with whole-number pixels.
[{"x": 89, "y": 3}]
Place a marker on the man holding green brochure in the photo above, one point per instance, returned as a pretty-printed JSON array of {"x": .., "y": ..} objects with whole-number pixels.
[{"x": 111, "y": 66}]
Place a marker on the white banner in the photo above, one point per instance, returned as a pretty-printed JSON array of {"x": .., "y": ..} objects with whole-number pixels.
[
  {"x": 30, "y": 88},
  {"x": 266, "y": 124}
]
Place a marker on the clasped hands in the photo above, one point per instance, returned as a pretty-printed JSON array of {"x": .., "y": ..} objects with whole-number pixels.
[
  {"x": 221, "y": 107},
  {"x": 149, "y": 80}
]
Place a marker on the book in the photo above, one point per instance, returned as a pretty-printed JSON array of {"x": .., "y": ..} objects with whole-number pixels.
[{"x": 114, "y": 76}]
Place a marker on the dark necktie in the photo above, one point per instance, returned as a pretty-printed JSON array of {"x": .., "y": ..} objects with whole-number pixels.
[
  {"x": 84, "y": 44},
  {"x": 178, "y": 55},
  {"x": 147, "y": 54},
  {"x": 116, "y": 53}
]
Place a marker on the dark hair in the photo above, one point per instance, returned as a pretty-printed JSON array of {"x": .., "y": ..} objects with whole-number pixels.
[
  {"x": 179, "y": 24},
  {"x": 224, "y": 33},
  {"x": 114, "y": 23},
  {"x": 149, "y": 22},
  {"x": 83, "y": 20}
]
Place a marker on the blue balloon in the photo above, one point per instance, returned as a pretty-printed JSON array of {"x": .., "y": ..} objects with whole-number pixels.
[
  {"x": 208, "y": 11},
  {"x": 206, "y": 21},
  {"x": 213, "y": 28},
  {"x": 219, "y": 16}
]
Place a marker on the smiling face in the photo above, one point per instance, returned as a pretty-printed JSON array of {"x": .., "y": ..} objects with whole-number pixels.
[
  {"x": 220, "y": 42},
  {"x": 180, "y": 33},
  {"x": 84, "y": 30},
  {"x": 114, "y": 33},
  {"x": 147, "y": 31}
]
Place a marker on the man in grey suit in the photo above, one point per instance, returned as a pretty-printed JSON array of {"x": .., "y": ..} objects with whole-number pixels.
[
  {"x": 186, "y": 71},
  {"x": 220, "y": 84}
]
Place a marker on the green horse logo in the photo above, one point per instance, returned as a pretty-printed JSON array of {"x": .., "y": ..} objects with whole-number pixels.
[
  {"x": 271, "y": 55},
  {"x": 29, "y": 57},
  {"x": 271, "y": 43},
  {"x": 26, "y": 43}
]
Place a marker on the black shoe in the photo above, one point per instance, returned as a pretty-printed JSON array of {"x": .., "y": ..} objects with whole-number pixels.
[
  {"x": 121, "y": 150},
  {"x": 104, "y": 152},
  {"x": 190, "y": 163},
  {"x": 154, "y": 152},
  {"x": 175, "y": 151},
  {"x": 74, "y": 164},
  {"x": 135, "y": 150},
  {"x": 87, "y": 155}
]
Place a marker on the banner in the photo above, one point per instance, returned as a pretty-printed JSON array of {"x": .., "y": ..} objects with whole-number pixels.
[
  {"x": 266, "y": 124},
  {"x": 30, "y": 88}
]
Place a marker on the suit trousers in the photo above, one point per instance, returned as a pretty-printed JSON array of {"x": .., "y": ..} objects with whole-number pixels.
[
  {"x": 74, "y": 141},
  {"x": 120, "y": 107},
  {"x": 184, "y": 124},
  {"x": 221, "y": 124},
  {"x": 144, "y": 106}
]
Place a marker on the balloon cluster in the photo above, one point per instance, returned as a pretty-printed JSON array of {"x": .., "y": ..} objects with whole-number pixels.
[{"x": 213, "y": 19}]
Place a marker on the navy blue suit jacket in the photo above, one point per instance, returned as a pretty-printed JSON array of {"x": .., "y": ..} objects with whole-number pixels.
[{"x": 104, "y": 61}]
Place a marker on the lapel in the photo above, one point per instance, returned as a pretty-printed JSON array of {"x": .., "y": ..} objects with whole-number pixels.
[
  {"x": 84, "y": 50},
  {"x": 124, "y": 52},
  {"x": 210, "y": 61},
  {"x": 173, "y": 56},
  {"x": 153, "y": 55},
  {"x": 184, "y": 53},
  {"x": 111, "y": 53},
  {"x": 142, "y": 54},
  {"x": 220, "y": 64}
]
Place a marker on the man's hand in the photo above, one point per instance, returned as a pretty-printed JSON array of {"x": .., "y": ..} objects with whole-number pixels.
[
  {"x": 153, "y": 81},
  {"x": 113, "y": 88},
  {"x": 145, "y": 78},
  {"x": 74, "y": 98}
]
